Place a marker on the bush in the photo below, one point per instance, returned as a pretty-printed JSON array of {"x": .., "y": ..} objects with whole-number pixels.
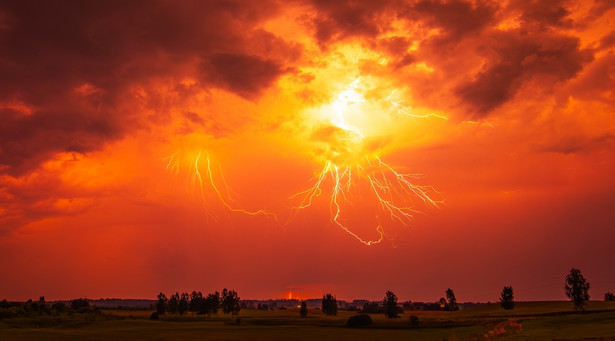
[
  {"x": 154, "y": 316},
  {"x": 79, "y": 304},
  {"x": 359, "y": 321},
  {"x": 414, "y": 320}
]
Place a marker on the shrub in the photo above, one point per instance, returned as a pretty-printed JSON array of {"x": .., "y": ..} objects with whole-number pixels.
[
  {"x": 59, "y": 307},
  {"x": 414, "y": 320},
  {"x": 79, "y": 304},
  {"x": 154, "y": 316},
  {"x": 359, "y": 321}
]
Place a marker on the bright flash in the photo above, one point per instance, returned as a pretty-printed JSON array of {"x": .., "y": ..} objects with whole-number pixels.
[
  {"x": 348, "y": 135},
  {"x": 394, "y": 192}
]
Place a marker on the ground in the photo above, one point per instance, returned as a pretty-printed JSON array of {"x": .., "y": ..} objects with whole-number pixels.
[{"x": 529, "y": 320}]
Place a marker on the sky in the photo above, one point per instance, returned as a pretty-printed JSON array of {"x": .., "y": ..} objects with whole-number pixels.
[{"x": 296, "y": 148}]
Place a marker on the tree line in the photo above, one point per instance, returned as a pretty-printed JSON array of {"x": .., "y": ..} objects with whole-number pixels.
[
  {"x": 575, "y": 285},
  {"x": 197, "y": 303},
  {"x": 576, "y": 288},
  {"x": 32, "y": 308}
]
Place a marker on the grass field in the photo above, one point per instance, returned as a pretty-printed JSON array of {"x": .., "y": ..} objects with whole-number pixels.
[{"x": 528, "y": 321}]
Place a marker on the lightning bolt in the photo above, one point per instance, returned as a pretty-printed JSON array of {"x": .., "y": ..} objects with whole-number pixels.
[
  {"x": 388, "y": 186},
  {"x": 393, "y": 191},
  {"x": 202, "y": 179},
  {"x": 397, "y": 104},
  {"x": 343, "y": 175}
]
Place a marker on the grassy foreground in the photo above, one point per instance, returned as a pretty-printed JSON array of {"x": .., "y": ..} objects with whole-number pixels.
[{"x": 528, "y": 321}]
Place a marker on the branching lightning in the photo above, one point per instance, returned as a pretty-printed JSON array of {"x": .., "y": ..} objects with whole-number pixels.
[
  {"x": 351, "y": 168},
  {"x": 202, "y": 181},
  {"x": 397, "y": 104},
  {"x": 393, "y": 191}
]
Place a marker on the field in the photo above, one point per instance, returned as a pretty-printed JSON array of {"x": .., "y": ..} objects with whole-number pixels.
[{"x": 528, "y": 321}]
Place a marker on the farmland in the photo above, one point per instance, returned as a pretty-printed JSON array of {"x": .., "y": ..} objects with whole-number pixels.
[{"x": 529, "y": 320}]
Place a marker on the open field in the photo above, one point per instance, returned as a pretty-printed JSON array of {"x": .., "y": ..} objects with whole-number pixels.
[{"x": 529, "y": 320}]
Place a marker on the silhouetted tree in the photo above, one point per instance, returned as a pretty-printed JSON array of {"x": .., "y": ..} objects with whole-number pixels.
[
  {"x": 27, "y": 308},
  {"x": 230, "y": 302},
  {"x": 162, "y": 304},
  {"x": 79, "y": 305},
  {"x": 59, "y": 307},
  {"x": 329, "y": 305},
  {"x": 173, "y": 303},
  {"x": 211, "y": 303},
  {"x": 196, "y": 302},
  {"x": 389, "y": 304},
  {"x": 577, "y": 288},
  {"x": 609, "y": 296},
  {"x": 303, "y": 312},
  {"x": 452, "y": 301},
  {"x": 443, "y": 304},
  {"x": 182, "y": 307},
  {"x": 506, "y": 298}
]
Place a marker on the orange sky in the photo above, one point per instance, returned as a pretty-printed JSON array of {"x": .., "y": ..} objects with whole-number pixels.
[{"x": 501, "y": 112}]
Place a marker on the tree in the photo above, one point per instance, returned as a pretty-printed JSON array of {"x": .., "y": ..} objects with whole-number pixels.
[
  {"x": 452, "y": 301},
  {"x": 182, "y": 307},
  {"x": 506, "y": 299},
  {"x": 303, "y": 311},
  {"x": 211, "y": 303},
  {"x": 609, "y": 296},
  {"x": 577, "y": 289},
  {"x": 329, "y": 305},
  {"x": 79, "y": 305},
  {"x": 162, "y": 304},
  {"x": 173, "y": 303},
  {"x": 230, "y": 302},
  {"x": 59, "y": 307},
  {"x": 196, "y": 301},
  {"x": 389, "y": 304},
  {"x": 443, "y": 304}
]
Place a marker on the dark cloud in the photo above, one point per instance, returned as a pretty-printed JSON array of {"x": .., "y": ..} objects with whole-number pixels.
[
  {"x": 457, "y": 18},
  {"x": 50, "y": 49},
  {"x": 397, "y": 49},
  {"x": 41, "y": 193},
  {"x": 544, "y": 14},
  {"x": 580, "y": 144},
  {"x": 28, "y": 140},
  {"x": 599, "y": 8},
  {"x": 607, "y": 41},
  {"x": 244, "y": 75},
  {"x": 520, "y": 58},
  {"x": 597, "y": 81},
  {"x": 337, "y": 20}
]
